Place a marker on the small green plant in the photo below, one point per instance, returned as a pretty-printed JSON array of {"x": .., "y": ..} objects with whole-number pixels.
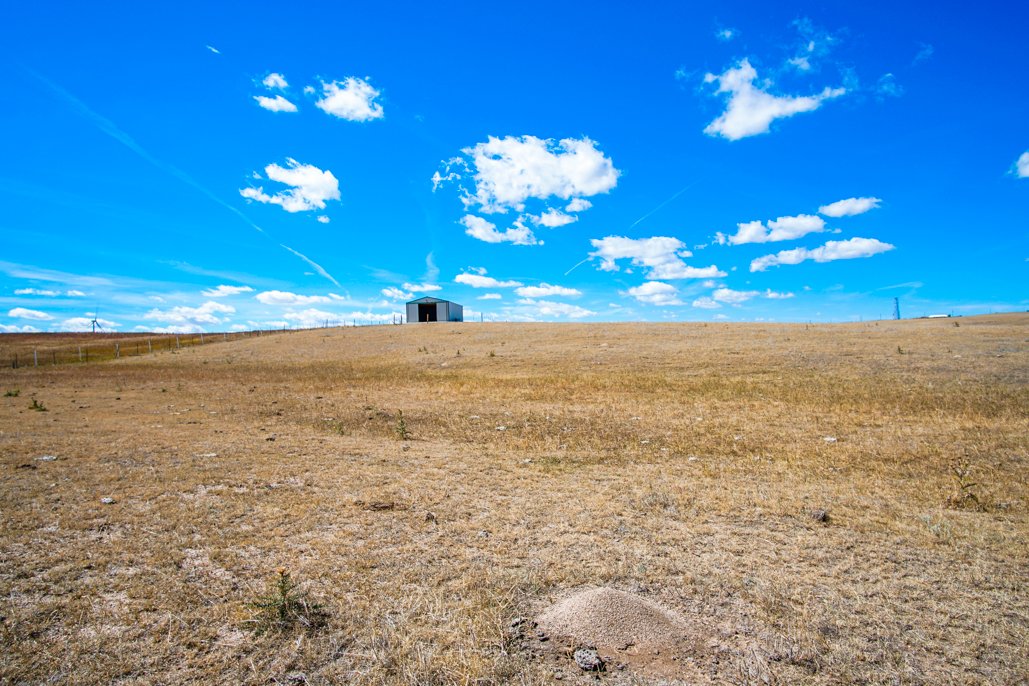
[
  {"x": 37, "y": 406},
  {"x": 492, "y": 353},
  {"x": 900, "y": 350},
  {"x": 13, "y": 393},
  {"x": 285, "y": 606},
  {"x": 401, "y": 429}
]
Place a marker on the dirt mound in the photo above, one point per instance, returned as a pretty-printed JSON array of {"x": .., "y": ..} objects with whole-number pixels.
[{"x": 609, "y": 618}]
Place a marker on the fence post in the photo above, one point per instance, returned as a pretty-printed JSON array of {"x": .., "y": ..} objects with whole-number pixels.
[
  {"x": 149, "y": 347},
  {"x": 201, "y": 338},
  {"x": 177, "y": 346},
  {"x": 117, "y": 351},
  {"x": 80, "y": 353},
  {"x": 14, "y": 365},
  {"x": 35, "y": 358},
  {"x": 53, "y": 354}
]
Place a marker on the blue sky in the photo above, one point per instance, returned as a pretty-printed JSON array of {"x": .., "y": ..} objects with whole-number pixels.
[{"x": 210, "y": 166}]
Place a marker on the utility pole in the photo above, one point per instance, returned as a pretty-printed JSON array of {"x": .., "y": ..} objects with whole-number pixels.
[{"x": 896, "y": 308}]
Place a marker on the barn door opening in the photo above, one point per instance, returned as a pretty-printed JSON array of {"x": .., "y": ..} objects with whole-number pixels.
[{"x": 427, "y": 313}]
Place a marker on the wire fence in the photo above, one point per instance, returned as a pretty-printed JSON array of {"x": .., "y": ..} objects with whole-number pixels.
[{"x": 104, "y": 347}]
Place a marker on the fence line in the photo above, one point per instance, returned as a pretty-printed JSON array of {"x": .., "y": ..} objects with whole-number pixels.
[{"x": 138, "y": 346}]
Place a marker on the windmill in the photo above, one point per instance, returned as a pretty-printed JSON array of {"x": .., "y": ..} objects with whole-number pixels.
[{"x": 94, "y": 322}]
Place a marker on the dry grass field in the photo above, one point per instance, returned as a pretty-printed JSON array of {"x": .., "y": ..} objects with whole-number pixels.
[{"x": 428, "y": 485}]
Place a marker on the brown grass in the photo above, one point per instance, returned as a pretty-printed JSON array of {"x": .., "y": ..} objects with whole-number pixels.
[{"x": 681, "y": 462}]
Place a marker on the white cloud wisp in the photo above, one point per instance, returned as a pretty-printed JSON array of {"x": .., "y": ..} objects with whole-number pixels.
[
  {"x": 751, "y": 109},
  {"x": 352, "y": 99},
  {"x": 309, "y": 187},
  {"x": 661, "y": 255},
  {"x": 831, "y": 251}
]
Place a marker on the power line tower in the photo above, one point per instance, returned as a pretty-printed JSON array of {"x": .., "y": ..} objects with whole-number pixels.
[{"x": 896, "y": 308}]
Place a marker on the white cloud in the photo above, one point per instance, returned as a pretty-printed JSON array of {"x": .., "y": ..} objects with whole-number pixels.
[
  {"x": 725, "y": 34},
  {"x": 578, "y": 205},
  {"x": 549, "y": 308},
  {"x": 213, "y": 49},
  {"x": 275, "y": 80},
  {"x": 323, "y": 219},
  {"x": 48, "y": 292},
  {"x": 206, "y": 313},
  {"x": 14, "y": 328},
  {"x": 662, "y": 255},
  {"x": 354, "y": 101},
  {"x": 731, "y": 297},
  {"x": 422, "y": 287},
  {"x": 833, "y": 250},
  {"x": 781, "y": 229},
  {"x": 1021, "y": 169},
  {"x": 480, "y": 280},
  {"x": 312, "y": 318},
  {"x": 925, "y": 51},
  {"x": 24, "y": 313},
  {"x": 225, "y": 291},
  {"x": 86, "y": 324},
  {"x": 887, "y": 86},
  {"x": 396, "y": 294},
  {"x": 553, "y": 218},
  {"x": 276, "y": 104},
  {"x": 490, "y": 296},
  {"x": 310, "y": 187},
  {"x": 484, "y": 230},
  {"x": 849, "y": 207},
  {"x": 751, "y": 109},
  {"x": 655, "y": 293},
  {"x": 546, "y": 290},
  {"x": 290, "y": 299},
  {"x": 509, "y": 171}
]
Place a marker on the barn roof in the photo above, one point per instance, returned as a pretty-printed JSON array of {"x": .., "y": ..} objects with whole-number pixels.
[{"x": 427, "y": 300}]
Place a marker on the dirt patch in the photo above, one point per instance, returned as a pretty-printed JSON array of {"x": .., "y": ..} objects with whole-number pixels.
[{"x": 628, "y": 631}]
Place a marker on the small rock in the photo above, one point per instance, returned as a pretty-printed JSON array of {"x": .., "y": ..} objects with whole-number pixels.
[
  {"x": 829, "y": 439},
  {"x": 542, "y": 636},
  {"x": 501, "y": 428},
  {"x": 820, "y": 516},
  {"x": 482, "y": 534},
  {"x": 588, "y": 660},
  {"x": 270, "y": 438},
  {"x": 46, "y": 458},
  {"x": 107, "y": 501},
  {"x": 517, "y": 621},
  {"x": 430, "y": 517}
]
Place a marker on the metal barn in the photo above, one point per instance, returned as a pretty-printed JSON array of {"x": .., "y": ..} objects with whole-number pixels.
[{"x": 434, "y": 310}]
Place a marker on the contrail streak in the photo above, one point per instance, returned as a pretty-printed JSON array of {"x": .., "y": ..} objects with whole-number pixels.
[
  {"x": 112, "y": 130},
  {"x": 681, "y": 191},
  {"x": 577, "y": 266},
  {"x": 317, "y": 267}
]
